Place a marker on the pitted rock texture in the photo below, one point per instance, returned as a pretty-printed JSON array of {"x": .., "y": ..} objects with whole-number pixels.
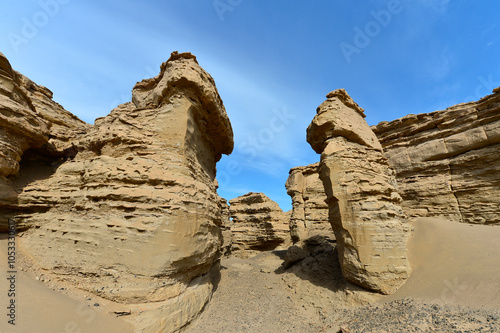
[
  {"x": 134, "y": 216},
  {"x": 447, "y": 162},
  {"x": 258, "y": 224},
  {"x": 365, "y": 211},
  {"x": 310, "y": 211}
]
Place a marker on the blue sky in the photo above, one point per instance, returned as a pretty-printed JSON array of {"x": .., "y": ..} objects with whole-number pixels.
[{"x": 273, "y": 63}]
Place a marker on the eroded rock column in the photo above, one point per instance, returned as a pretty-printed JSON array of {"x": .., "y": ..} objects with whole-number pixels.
[
  {"x": 134, "y": 216},
  {"x": 364, "y": 205},
  {"x": 309, "y": 215}
]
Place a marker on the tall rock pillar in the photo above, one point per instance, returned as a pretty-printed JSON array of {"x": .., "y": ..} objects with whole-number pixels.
[{"x": 364, "y": 206}]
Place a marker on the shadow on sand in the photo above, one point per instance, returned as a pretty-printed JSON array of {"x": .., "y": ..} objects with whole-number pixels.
[{"x": 317, "y": 261}]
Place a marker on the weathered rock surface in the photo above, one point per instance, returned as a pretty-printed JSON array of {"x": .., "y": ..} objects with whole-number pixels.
[
  {"x": 258, "y": 224},
  {"x": 64, "y": 127},
  {"x": 20, "y": 129},
  {"x": 33, "y": 126},
  {"x": 365, "y": 211},
  {"x": 305, "y": 248},
  {"x": 226, "y": 225},
  {"x": 447, "y": 162},
  {"x": 134, "y": 216},
  {"x": 309, "y": 215}
]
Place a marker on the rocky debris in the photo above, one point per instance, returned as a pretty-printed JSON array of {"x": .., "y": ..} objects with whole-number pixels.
[
  {"x": 251, "y": 297},
  {"x": 312, "y": 296},
  {"x": 447, "y": 162},
  {"x": 365, "y": 212},
  {"x": 134, "y": 217},
  {"x": 258, "y": 224},
  {"x": 306, "y": 248},
  {"x": 312, "y": 275},
  {"x": 409, "y": 315},
  {"x": 309, "y": 215}
]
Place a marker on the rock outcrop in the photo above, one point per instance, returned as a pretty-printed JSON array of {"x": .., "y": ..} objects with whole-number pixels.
[
  {"x": 226, "y": 225},
  {"x": 447, "y": 162},
  {"x": 133, "y": 215},
  {"x": 20, "y": 129},
  {"x": 309, "y": 215},
  {"x": 258, "y": 224},
  {"x": 365, "y": 211},
  {"x": 32, "y": 126},
  {"x": 64, "y": 127}
]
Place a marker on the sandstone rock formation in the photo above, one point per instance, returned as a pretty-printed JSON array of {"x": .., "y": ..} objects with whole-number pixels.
[
  {"x": 365, "y": 211},
  {"x": 33, "y": 126},
  {"x": 258, "y": 224},
  {"x": 133, "y": 214},
  {"x": 305, "y": 248},
  {"x": 20, "y": 129},
  {"x": 448, "y": 162},
  {"x": 226, "y": 225},
  {"x": 309, "y": 215}
]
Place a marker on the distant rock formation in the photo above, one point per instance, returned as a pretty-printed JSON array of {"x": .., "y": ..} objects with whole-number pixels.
[
  {"x": 131, "y": 212},
  {"x": 226, "y": 225},
  {"x": 365, "y": 211},
  {"x": 448, "y": 162},
  {"x": 310, "y": 211},
  {"x": 258, "y": 224}
]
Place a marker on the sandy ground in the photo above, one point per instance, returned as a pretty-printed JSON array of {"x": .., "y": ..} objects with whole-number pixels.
[
  {"x": 40, "y": 309},
  {"x": 454, "y": 287},
  {"x": 454, "y": 263}
]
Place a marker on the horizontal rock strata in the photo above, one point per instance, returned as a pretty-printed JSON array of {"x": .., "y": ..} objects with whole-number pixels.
[
  {"x": 258, "y": 224},
  {"x": 447, "y": 162},
  {"x": 36, "y": 133},
  {"x": 131, "y": 212},
  {"x": 20, "y": 129},
  {"x": 365, "y": 211},
  {"x": 310, "y": 211}
]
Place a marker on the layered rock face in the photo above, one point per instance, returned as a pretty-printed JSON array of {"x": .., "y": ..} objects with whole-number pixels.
[
  {"x": 226, "y": 225},
  {"x": 258, "y": 224},
  {"x": 64, "y": 127},
  {"x": 20, "y": 129},
  {"x": 448, "y": 162},
  {"x": 31, "y": 125},
  {"x": 134, "y": 217},
  {"x": 365, "y": 211},
  {"x": 309, "y": 215}
]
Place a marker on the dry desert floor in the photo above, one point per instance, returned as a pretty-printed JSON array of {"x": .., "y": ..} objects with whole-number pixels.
[{"x": 454, "y": 287}]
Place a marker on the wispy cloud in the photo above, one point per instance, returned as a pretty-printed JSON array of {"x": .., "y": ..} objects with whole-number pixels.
[
  {"x": 490, "y": 34},
  {"x": 487, "y": 30},
  {"x": 439, "y": 6}
]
